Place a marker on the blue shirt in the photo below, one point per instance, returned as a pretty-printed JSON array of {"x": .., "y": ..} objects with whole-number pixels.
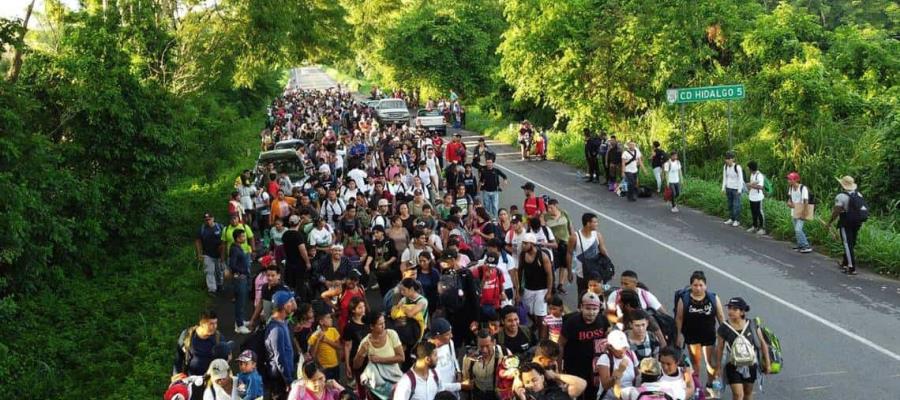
[
  {"x": 281, "y": 353},
  {"x": 250, "y": 385},
  {"x": 238, "y": 260}
]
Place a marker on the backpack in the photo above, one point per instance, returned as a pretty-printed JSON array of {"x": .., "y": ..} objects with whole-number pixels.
[
  {"x": 186, "y": 338},
  {"x": 654, "y": 395},
  {"x": 857, "y": 212},
  {"x": 812, "y": 199},
  {"x": 684, "y": 294},
  {"x": 604, "y": 344},
  {"x": 450, "y": 291},
  {"x": 411, "y": 375},
  {"x": 741, "y": 351},
  {"x": 776, "y": 358},
  {"x": 479, "y": 282}
]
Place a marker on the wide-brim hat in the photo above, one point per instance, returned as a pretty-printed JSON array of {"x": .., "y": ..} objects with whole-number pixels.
[{"x": 848, "y": 183}]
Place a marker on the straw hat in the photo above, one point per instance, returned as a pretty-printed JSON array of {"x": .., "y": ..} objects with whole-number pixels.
[{"x": 847, "y": 183}]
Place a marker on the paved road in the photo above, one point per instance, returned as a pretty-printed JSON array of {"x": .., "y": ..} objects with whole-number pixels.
[{"x": 841, "y": 334}]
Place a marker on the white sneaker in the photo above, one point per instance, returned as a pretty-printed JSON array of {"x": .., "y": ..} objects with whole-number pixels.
[
  {"x": 242, "y": 330},
  {"x": 728, "y": 222},
  {"x": 751, "y": 229},
  {"x": 736, "y": 223},
  {"x": 675, "y": 209},
  {"x": 761, "y": 231}
]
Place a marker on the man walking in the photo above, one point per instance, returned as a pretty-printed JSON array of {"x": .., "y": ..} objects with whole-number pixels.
[
  {"x": 632, "y": 163},
  {"x": 732, "y": 185},
  {"x": 209, "y": 252},
  {"x": 798, "y": 202},
  {"x": 659, "y": 158},
  {"x": 591, "y": 154},
  {"x": 851, "y": 211},
  {"x": 279, "y": 347},
  {"x": 490, "y": 187},
  {"x": 239, "y": 264}
]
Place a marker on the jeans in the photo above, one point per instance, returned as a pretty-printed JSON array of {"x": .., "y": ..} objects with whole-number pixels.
[
  {"x": 676, "y": 191},
  {"x": 657, "y": 173},
  {"x": 734, "y": 203},
  {"x": 491, "y": 201},
  {"x": 759, "y": 221},
  {"x": 215, "y": 273},
  {"x": 798, "y": 231},
  {"x": 848, "y": 237},
  {"x": 631, "y": 177},
  {"x": 241, "y": 298}
]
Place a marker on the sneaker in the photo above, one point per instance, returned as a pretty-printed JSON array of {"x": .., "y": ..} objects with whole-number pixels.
[
  {"x": 374, "y": 286},
  {"x": 806, "y": 249},
  {"x": 560, "y": 289},
  {"x": 674, "y": 209},
  {"x": 851, "y": 272},
  {"x": 211, "y": 294},
  {"x": 736, "y": 223},
  {"x": 761, "y": 231},
  {"x": 751, "y": 229},
  {"x": 728, "y": 221},
  {"x": 242, "y": 330},
  {"x": 796, "y": 248}
]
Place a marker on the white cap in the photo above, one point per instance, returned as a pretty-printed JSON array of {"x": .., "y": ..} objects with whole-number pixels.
[
  {"x": 617, "y": 340},
  {"x": 529, "y": 238}
]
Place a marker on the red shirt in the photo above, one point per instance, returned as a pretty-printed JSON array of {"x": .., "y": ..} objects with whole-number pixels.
[
  {"x": 454, "y": 153},
  {"x": 534, "y": 206},
  {"x": 491, "y": 284}
]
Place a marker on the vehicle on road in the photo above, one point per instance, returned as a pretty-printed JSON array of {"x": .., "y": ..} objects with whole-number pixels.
[
  {"x": 432, "y": 121},
  {"x": 389, "y": 111},
  {"x": 293, "y": 144},
  {"x": 283, "y": 160}
]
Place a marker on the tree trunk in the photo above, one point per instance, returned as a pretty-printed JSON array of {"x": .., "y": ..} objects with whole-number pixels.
[{"x": 13, "y": 74}]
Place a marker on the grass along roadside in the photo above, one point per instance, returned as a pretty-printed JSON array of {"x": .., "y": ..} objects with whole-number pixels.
[{"x": 878, "y": 245}]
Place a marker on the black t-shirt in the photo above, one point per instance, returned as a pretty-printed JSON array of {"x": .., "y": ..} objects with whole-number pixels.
[
  {"x": 292, "y": 240},
  {"x": 518, "y": 345},
  {"x": 354, "y": 333},
  {"x": 552, "y": 391},
  {"x": 268, "y": 291},
  {"x": 582, "y": 339}
]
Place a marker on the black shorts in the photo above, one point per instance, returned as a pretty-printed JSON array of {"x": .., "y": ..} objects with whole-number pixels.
[
  {"x": 732, "y": 376},
  {"x": 703, "y": 341}
]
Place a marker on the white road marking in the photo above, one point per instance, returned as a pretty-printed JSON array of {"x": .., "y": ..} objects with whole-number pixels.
[{"x": 814, "y": 317}]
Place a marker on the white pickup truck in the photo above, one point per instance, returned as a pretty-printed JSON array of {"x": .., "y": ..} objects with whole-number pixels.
[
  {"x": 390, "y": 111},
  {"x": 432, "y": 121}
]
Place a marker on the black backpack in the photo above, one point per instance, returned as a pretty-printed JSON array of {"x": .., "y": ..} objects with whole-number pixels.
[
  {"x": 857, "y": 212},
  {"x": 451, "y": 293},
  {"x": 812, "y": 199}
]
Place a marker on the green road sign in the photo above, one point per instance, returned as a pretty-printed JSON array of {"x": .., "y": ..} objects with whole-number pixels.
[{"x": 706, "y": 93}]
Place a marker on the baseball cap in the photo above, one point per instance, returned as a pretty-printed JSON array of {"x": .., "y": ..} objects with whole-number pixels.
[
  {"x": 529, "y": 238},
  {"x": 738, "y": 303},
  {"x": 516, "y": 218},
  {"x": 794, "y": 176},
  {"x": 590, "y": 298},
  {"x": 617, "y": 340},
  {"x": 528, "y": 186},
  {"x": 294, "y": 219},
  {"x": 354, "y": 274},
  {"x": 207, "y": 215},
  {"x": 440, "y": 326},
  {"x": 383, "y": 202},
  {"x": 449, "y": 254},
  {"x": 247, "y": 355},
  {"x": 491, "y": 259},
  {"x": 282, "y": 297},
  {"x": 218, "y": 369}
]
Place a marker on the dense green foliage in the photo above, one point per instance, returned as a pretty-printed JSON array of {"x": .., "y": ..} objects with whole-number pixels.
[
  {"x": 428, "y": 45},
  {"x": 124, "y": 124}
]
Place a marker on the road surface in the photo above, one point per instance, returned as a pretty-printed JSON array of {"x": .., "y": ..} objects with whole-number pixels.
[{"x": 841, "y": 335}]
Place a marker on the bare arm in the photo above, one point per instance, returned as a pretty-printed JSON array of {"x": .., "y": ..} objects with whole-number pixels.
[{"x": 679, "y": 321}]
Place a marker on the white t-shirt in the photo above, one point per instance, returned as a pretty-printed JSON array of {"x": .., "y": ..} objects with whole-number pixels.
[
  {"x": 797, "y": 197},
  {"x": 514, "y": 239},
  {"x": 581, "y": 244},
  {"x": 426, "y": 388},
  {"x": 321, "y": 237},
  {"x": 631, "y": 167},
  {"x": 675, "y": 384},
  {"x": 411, "y": 254},
  {"x": 757, "y": 178},
  {"x": 447, "y": 367},
  {"x": 673, "y": 170},
  {"x": 732, "y": 177},
  {"x": 628, "y": 376},
  {"x": 359, "y": 176}
]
